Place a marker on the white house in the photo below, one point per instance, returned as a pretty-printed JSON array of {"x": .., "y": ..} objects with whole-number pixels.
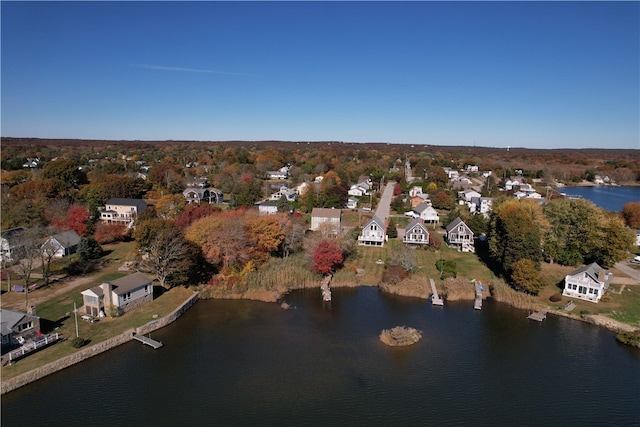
[
  {"x": 122, "y": 211},
  {"x": 267, "y": 208},
  {"x": 326, "y": 220},
  {"x": 123, "y": 294},
  {"x": 10, "y": 243},
  {"x": 416, "y": 233},
  {"x": 588, "y": 283},
  {"x": 357, "y": 190},
  {"x": 480, "y": 205},
  {"x": 373, "y": 233},
  {"x": 62, "y": 244},
  {"x": 637, "y": 237},
  {"x": 467, "y": 195},
  {"x": 290, "y": 195},
  {"x": 415, "y": 190},
  {"x": 352, "y": 203},
  {"x": 427, "y": 213}
]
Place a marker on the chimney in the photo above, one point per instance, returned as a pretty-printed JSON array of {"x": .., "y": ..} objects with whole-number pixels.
[
  {"x": 106, "y": 290},
  {"x": 31, "y": 310}
]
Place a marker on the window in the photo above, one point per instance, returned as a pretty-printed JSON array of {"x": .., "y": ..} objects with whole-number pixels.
[
  {"x": 146, "y": 289},
  {"x": 25, "y": 326}
]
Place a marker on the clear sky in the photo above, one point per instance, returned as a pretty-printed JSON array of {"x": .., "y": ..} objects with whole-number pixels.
[{"x": 525, "y": 74}]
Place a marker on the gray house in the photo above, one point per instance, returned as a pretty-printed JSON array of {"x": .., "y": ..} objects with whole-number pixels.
[
  {"x": 62, "y": 244},
  {"x": 416, "y": 233},
  {"x": 18, "y": 327},
  {"x": 124, "y": 294},
  {"x": 460, "y": 235}
]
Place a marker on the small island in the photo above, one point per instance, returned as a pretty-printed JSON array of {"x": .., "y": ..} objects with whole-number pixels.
[{"x": 400, "y": 336}]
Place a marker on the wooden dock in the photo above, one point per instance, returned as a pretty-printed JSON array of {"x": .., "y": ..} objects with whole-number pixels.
[
  {"x": 478, "y": 301},
  {"x": 148, "y": 341},
  {"x": 324, "y": 287},
  {"x": 538, "y": 316},
  {"x": 435, "y": 298}
]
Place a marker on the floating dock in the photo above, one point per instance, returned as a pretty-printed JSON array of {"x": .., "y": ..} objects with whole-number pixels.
[
  {"x": 477, "y": 304},
  {"x": 538, "y": 316},
  {"x": 435, "y": 298},
  {"x": 148, "y": 341},
  {"x": 324, "y": 287}
]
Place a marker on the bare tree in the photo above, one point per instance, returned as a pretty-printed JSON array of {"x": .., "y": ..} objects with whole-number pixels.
[
  {"x": 48, "y": 252},
  {"x": 30, "y": 252},
  {"x": 167, "y": 255}
]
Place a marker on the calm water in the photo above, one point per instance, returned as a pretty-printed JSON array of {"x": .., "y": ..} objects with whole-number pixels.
[
  {"x": 609, "y": 198},
  {"x": 247, "y": 363}
]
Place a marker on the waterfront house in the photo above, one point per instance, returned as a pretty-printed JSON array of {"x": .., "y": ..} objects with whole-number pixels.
[
  {"x": 373, "y": 233},
  {"x": 123, "y": 294},
  {"x": 326, "y": 220},
  {"x": 460, "y": 235},
  {"x": 18, "y": 327},
  {"x": 62, "y": 244},
  {"x": 416, "y": 233},
  {"x": 122, "y": 211},
  {"x": 588, "y": 283},
  {"x": 10, "y": 244},
  {"x": 200, "y": 194}
]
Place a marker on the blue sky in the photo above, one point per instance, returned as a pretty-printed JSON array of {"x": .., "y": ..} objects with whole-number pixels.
[{"x": 526, "y": 74}]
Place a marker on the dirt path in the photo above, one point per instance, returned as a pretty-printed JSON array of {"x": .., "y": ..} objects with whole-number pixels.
[{"x": 16, "y": 300}]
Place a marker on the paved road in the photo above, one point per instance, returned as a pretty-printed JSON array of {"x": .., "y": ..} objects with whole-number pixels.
[
  {"x": 633, "y": 274},
  {"x": 384, "y": 205}
]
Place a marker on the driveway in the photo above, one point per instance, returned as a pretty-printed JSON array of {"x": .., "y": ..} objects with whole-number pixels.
[
  {"x": 629, "y": 271},
  {"x": 384, "y": 205}
]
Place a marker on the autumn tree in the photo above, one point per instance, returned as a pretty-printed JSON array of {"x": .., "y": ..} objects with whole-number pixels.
[
  {"x": 75, "y": 219},
  {"x": 613, "y": 242},
  {"x": 169, "y": 206},
  {"x": 442, "y": 200},
  {"x": 515, "y": 232},
  {"x": 109, "y": 233},
  {"x": 631, "y": 214},
  {"x": 146, "y": 231},
  {"x": 65, "y": 170},
  {"x": 267, "y": 232},
  {"x": 327, "y": 256},
  {"x": 166, "y": 255},
  {"x": 526, "y": 276},
  {"x": 193, "y": 212}
]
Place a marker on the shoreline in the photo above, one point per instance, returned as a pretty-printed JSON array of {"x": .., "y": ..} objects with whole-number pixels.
[{"x": 267, "y": 297}]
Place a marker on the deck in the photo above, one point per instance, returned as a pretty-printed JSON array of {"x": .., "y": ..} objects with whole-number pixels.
[
  {"x": 435, "y": 298},
  {"x": 39, "y": 343},
  {"x": 477, "y": 304},
  {"x": 538, "y": 316},
  {"x": 148, "y": 341}
]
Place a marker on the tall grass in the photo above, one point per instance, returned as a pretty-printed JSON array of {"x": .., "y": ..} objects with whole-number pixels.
[
  {"x": 283, "y": 274},
  {"x": 502, "y": 292}
]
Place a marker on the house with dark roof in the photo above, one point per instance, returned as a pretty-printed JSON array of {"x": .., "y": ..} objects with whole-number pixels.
[
  {"x": 200, "y": 194},
  {"x": 374, "y": 233},
  {"x": 416, "y": 233},
  {"x": 588, "y": 283},
  {"x": 122, "y": 211},
  {"x": 62, "y": 244},
  {"x": 123, "y": 294},
  {"x": 460, "y": 235}
]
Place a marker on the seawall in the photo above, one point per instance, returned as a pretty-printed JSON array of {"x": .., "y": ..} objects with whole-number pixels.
[{"x": 84, "y": 354}]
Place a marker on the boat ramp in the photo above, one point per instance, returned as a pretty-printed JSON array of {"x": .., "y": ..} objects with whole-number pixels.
[
  {"x": 324, "y": 288},
  {"x": 477, "y": 304},
  {"x": 538, "y": 316}
]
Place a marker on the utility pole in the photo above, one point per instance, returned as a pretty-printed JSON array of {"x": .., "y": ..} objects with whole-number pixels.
[{"x": 75, "y": 310}]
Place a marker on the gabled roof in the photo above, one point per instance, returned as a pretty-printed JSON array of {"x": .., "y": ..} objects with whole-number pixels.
[
  {"x": 375, "y": 220},
  {"x": 416, "y": 222},
  {"x": 67, "y": 239},
  {"x": 11, "y": 232},
  {"x": 453, "y": 224},
  {"x": 326, "y": 213},
  {"x": 9, "y": 319},
  {"x": 421, "y": 207},
  {"x": 593, "y": 270},
  {"x": 123, "y": 284},
  {"x": 138, "y": 203}
]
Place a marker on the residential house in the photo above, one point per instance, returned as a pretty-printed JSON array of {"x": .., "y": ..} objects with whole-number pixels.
[
  {"x": 467, "y": 195},
  {"x": 512, "y": 183},
  {"x": 588, "y": 283},
  {"x": 416, "y": 233},
  {"x": 326, "y": 220},
  {"x": 199, "y": 194},
  {"x": 18, "y": 327},
  {"x": 451, "y": 173},
  {"x": 460, "y": 235},
  {"x": 290, "y": 195},
  {"x": 352, "y": 203},
  {"x": 62, "y": 244},
  {"x": 480, "y": 205},
  {"x": 415, "y": 190},
  {"x": 268, "y": 208},
  {"x": 357, "y": 190},
  {"x": 282, "y": 173},
  {"x": 420, "y": 198},
  {"x": 10, "y": 244},
  {"x": 427, "y": 213},
  {"x": 471, "y": 168},
  {"x": 123, "y": 294},
  {"x": 374, "y": 233},
  {"x": 122, "y": 211},
  {"x": 637, "y": 237}
]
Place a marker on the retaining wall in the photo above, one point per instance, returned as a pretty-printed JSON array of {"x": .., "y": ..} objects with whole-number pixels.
[{"x": 77, "y": 357}]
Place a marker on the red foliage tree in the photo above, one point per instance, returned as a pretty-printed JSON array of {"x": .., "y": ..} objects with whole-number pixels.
[
  {"x": 326, "y": 257},
  {"x": 194, "y": 212},
  {"x": 109, "y": 233},
  {"x": 75, "y": 219},
  {"x": 397, "y": 190}
]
